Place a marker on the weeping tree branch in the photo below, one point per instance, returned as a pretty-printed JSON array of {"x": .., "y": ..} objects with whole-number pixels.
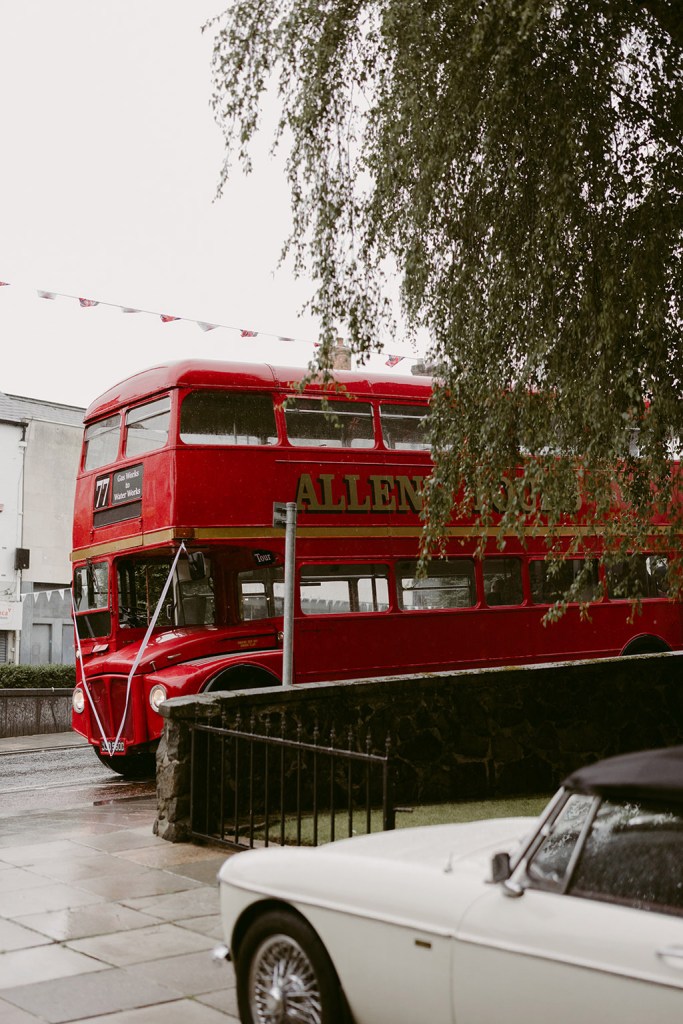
[{"x": 520, "y": 164}]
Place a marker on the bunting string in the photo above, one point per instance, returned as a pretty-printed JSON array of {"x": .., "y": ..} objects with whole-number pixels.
[
  {"x": 166, "y": 318},
  {"x": 47, "y": 594}
]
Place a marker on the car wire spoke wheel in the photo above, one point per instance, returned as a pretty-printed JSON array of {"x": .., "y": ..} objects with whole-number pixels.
[
  {"x": 284, "y": 974},
  {"x": 283, "y": 985}
]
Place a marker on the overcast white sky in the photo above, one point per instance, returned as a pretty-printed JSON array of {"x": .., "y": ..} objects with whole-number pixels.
[{"x": 110, "y": 160}]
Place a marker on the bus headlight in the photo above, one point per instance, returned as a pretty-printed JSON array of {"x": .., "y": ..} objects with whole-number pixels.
[
  {"x": 78, "y": 701},
  {"x": 157, "y": 696}
]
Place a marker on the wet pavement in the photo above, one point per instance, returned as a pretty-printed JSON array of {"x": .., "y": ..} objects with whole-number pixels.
[
  {"x": 59, "y": 776},
  {"x": 104, "y": 923}
]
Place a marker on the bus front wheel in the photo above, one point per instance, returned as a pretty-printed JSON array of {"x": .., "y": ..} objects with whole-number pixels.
[{"x": 130, "y": 766}]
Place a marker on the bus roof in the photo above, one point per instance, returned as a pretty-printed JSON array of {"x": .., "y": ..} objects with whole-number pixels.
[{"x": 214, "y": 374}]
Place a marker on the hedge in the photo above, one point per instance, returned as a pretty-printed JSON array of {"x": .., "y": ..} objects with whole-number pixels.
[{"x": 30, "y": 677}]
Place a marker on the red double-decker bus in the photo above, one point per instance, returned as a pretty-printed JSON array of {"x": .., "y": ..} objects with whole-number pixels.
[{"x": 178, "y": 569}]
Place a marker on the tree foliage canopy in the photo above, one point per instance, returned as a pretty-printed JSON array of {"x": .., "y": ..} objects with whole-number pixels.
[{"x": 519, "y": 162}]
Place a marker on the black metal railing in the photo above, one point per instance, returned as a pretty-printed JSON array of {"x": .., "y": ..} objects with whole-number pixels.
[{"x": 250, "y": 788}]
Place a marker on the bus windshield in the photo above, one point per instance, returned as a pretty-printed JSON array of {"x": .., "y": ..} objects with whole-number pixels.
[{"x": 189, "y": 600}]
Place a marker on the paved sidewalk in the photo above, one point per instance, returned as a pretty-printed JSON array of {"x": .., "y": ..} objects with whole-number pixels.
[
  {"x": 46, "y": 741},
  {"x": 102, "y": 922}
]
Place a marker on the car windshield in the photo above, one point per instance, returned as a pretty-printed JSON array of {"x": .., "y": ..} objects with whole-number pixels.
[{"x": 548, "y": 867}]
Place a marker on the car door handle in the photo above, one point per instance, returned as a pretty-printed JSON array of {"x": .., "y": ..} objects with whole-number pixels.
[{"x": 675, "y": 952}]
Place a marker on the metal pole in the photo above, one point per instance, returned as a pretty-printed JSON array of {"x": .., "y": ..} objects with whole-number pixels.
[{"x": 288, "y": 626}]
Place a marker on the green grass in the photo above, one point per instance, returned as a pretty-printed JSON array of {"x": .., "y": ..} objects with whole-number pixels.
[
  {"x": 407, "y": 817},
  {"x": 471, "y": 810}
]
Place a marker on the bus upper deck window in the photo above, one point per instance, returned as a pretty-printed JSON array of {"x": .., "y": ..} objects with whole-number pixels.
[
  {"x": 102, "y": 442},
  {"x": 147, "y": 427},
  {"x": 227, "y": 418},
  {"x": 405, "y": 427},
  {"x": 312, "y": 422}
]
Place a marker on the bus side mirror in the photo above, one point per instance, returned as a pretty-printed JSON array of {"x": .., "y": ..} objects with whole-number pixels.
[{"x": 197, "y": 565}]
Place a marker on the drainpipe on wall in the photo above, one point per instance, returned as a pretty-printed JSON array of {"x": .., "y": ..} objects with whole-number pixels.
[{"x": 20, "y": 529}]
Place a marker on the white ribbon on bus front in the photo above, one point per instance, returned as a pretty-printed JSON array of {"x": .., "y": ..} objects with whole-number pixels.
[
  {"x": 143, "y": 645},
  {"x": 85, "y": 685},
  {"x": 110, "y": 747}
]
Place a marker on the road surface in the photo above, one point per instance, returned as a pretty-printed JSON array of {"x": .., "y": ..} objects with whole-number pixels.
[{"x": 50, "y": 779}]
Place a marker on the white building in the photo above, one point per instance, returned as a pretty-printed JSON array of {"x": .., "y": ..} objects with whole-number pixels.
[{"x": 40, "y": 445}]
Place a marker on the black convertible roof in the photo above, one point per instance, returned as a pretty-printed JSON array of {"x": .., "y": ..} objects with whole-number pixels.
[{"x": 645, "y": 774}]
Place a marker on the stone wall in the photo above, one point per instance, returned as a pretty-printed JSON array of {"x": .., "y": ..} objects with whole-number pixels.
[
  {"x": 32, "y": 712},
  {"x": 456, "y": 735}
]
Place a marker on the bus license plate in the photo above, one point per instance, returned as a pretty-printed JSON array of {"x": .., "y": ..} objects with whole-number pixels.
[{"x": 113, "y": 748}]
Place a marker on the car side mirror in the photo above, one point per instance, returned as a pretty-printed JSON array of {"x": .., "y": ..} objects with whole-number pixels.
[{"x": 500, "y": 867}]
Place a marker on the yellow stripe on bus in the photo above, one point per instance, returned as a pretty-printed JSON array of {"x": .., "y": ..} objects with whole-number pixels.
[{"x": 170, "y": 535}]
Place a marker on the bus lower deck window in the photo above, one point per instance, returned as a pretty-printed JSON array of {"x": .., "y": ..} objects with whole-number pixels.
[
  {"x": 343, "y": 589},
  {"x": 449, "y": 584},
  {"x": 550, "y": 581},
  {"x": 261, "y": 593},
  {"x": 639, "y": 576},
  {"x": 503, "y": 581}
]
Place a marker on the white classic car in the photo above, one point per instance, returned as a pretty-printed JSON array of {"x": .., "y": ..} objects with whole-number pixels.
[{"x": 579, "y": 920}]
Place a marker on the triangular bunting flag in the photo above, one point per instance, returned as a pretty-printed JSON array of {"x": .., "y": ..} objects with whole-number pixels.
[{"x": 167, "y": 318}]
